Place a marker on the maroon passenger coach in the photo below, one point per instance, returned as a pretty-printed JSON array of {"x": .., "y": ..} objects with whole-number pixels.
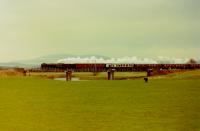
[{"x": 91, "y": 67}]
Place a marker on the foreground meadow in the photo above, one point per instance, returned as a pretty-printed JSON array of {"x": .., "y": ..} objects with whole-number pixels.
[{"x": 37, "y": 104}]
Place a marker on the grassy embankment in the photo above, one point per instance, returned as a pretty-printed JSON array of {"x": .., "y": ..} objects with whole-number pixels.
[{"x": 36, "y": 104}]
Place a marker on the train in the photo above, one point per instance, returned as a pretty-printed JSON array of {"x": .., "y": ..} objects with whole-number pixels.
[{"x": 96, "y": 67}]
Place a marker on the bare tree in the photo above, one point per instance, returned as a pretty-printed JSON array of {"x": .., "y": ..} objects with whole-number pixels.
[{"x": 192, "y": 61}]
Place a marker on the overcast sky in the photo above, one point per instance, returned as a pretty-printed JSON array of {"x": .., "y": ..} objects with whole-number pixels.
[{"x": 115, "y": 28}]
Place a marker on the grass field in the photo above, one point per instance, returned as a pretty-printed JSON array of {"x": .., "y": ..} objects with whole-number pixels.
[{"x": 37, "y": 104}]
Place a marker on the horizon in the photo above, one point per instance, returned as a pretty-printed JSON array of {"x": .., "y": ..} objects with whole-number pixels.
[
  {"x": 73, "y": 59},
  {"x": 65, "y": 56},
  {"x": 32, "y": 29}
]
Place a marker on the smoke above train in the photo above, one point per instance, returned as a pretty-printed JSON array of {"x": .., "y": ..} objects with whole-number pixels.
[{"x": 126, "y": 60}]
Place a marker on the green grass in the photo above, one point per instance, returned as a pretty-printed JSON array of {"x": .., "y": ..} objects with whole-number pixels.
[
  {"x": 36, "y": 104},
  {"x": 185, "y": 75}
]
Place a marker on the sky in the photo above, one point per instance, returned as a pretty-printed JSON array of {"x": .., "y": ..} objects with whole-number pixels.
[{"x": 114, "y": 28}]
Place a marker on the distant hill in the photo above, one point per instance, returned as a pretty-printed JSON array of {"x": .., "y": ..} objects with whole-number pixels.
[
  {"x": 67, "y": 58},
  {"x": 13, "y": 64},
  {"x": 44, "y": 59}
]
